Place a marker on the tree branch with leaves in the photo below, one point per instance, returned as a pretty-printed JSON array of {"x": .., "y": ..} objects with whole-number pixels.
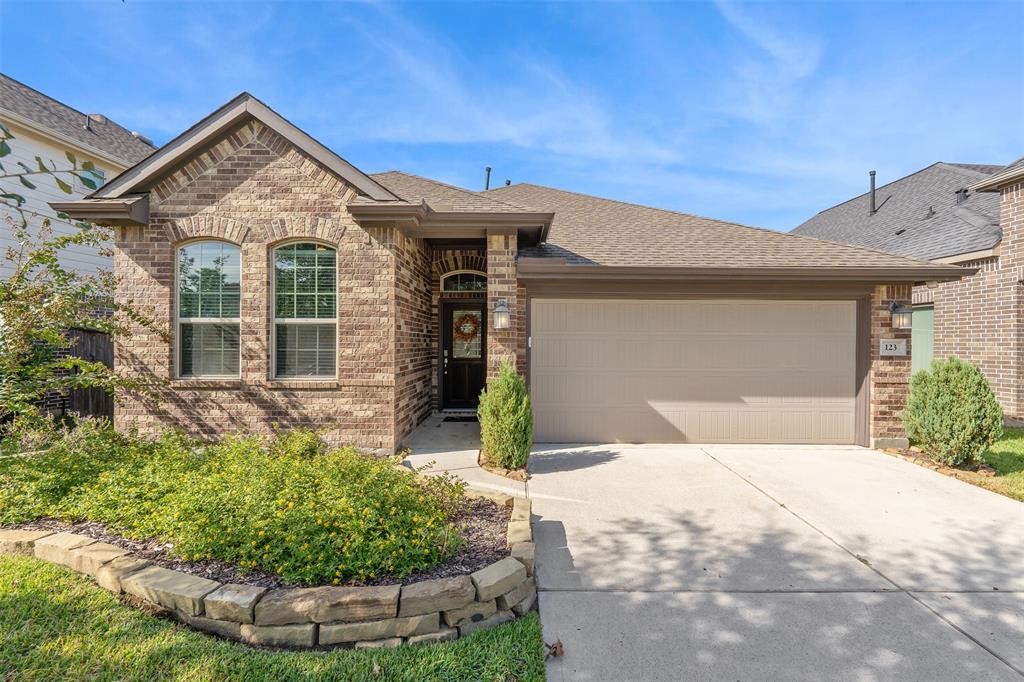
[{"x": 42, "y": 299}]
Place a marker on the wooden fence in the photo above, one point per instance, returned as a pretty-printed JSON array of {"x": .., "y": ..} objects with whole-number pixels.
[{"x": 94, "y": 347}]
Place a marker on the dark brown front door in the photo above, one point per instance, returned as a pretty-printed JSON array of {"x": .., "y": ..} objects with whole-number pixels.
[{"x": 463, "y": 353}]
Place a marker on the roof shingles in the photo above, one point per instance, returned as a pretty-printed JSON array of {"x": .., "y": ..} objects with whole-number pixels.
[
  {"x": 441, "y": 196},
  {"x": 917, "y": 216},
  {"x": 104, "y": 135},
  {"x": 589, "y": 230}
]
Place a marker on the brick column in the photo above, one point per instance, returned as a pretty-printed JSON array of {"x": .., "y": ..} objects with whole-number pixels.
[
  {"x": 890, "y": 375},
  {"x": 501, "y": 283},
  {"x": 1011, "y": 222}
]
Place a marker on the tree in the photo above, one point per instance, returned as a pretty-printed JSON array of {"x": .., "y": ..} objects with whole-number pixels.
[{"x": 41, "y": 299}]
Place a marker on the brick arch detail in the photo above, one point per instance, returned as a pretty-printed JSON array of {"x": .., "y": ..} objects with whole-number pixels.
[
  {"x": 213, "y": 226},
  {"x": 312, "y": 227},
  {"x": 452, "y": 261}
]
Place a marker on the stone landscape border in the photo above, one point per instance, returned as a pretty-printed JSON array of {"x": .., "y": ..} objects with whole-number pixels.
[{"x": 306, "y": 617}]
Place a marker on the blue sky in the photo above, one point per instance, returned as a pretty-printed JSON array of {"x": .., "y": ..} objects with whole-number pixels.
[{"x": 760, "y": 113}]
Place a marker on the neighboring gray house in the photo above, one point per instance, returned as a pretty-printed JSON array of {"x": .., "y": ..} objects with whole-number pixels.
[
  {"x": 39, "y": 126},
  {"x": 949, "y": 213}
]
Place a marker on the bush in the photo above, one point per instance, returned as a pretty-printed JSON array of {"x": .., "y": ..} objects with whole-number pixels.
[
  {"x": 287, "y": 505},
  {"x": 506, "y": 420},
  {"x": 952, "y": 413}
]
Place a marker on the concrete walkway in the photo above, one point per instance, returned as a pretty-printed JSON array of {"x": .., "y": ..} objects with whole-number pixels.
[
  {"x": 439, "y": 446},
  {"x": 784, "y": 563},
  {"x": 679, "y": 562}
]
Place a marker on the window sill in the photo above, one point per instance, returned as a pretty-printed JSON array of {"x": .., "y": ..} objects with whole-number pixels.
[
  {"x": 306, "y": 384},
  {"x": 207, "y": 383}
]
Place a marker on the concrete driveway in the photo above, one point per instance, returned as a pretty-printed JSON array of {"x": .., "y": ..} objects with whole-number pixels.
[{"x": 678, "y": 562}]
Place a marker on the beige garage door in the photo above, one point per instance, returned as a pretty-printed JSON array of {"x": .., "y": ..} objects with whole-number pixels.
[{"x": 621, "y": 371}]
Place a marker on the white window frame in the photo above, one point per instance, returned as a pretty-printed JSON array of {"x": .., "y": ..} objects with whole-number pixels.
[
  {"x": 446, "y": 275},
  {"x": 274, "y": 321},
  {"x": 178, "y": 320}
]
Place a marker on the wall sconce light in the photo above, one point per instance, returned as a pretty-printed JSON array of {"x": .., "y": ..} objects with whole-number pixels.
[
  {"x": 502, "y": 318},
  {"x": 902, "y": 315}
]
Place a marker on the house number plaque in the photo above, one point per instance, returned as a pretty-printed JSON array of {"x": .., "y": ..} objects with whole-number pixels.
[{"x": 892, "y": 347}]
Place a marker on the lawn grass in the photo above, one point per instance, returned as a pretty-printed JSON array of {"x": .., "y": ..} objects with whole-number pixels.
[
  {"x": 56, "y": 624},
  {"x": 1007, "y": 458}
]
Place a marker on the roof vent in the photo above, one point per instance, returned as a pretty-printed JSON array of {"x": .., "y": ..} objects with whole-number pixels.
[
  {"x": 930, "y": 213},
  {"x": 961, "y": 195},
  {"x": 85, "y": 124},
  {"x": 507, "y": 182},
  {"x": 873, "y": 209},
  {"x": 487, "y": 178},
  {"x": 142, "y": 138},
  {"x": 900, "y": 231},
  {"x": 99, "y": 118}
]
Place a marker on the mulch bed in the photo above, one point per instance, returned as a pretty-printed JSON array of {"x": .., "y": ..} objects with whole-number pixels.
[
  {"x": 483, "y": 526},
  {"x": 514, "y": 474},
  {"x": 919, "y": 458}
]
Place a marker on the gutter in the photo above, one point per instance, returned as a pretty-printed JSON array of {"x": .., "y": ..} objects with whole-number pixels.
[
  {"x": 530, "y": 268},
  {"x": 994, "y": 182},
  {"x": 132, "y": 209}
]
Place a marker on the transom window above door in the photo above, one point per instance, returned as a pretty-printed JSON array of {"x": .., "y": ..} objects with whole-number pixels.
[
  {"x": 464, "y": 280},
  {"x": 209, "y": 295},
  {"x": 305, "y": 311}
]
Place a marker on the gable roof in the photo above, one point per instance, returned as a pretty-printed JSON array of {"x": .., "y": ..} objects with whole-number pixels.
[
  {"x": 591, "y": 231},
  {"x": 241, "y": 108},
  {"x": 26, "y": 105},
  {"x": 917, "y": 216}
]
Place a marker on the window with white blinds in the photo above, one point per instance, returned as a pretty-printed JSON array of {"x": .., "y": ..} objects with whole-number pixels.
[
  {"x": 209, "y": 296},
  {"x": 304, "y": 311}
]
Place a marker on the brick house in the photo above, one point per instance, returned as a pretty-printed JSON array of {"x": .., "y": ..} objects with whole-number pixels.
[
  {"x": 301, "y": 291},
  {"x": 962, "y": 214}
]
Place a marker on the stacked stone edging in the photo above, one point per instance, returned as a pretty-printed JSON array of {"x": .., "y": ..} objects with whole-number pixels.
[{"x": 362, "y": 617}]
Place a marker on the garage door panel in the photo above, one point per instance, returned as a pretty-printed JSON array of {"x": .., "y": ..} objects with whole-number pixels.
[{"x": 693, "y": 371}]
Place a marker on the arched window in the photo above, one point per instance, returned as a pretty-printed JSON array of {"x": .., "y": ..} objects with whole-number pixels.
[
  {"x": 464, "y": 280},
  {"x": 209, "y": 295},
  {"x": 305, "y": 313}
]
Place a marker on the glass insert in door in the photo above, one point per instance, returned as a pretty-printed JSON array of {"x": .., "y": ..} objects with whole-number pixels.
[{"x": 467, "y": 332}]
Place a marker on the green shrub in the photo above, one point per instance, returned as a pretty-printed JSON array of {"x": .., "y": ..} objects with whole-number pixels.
[
  {"x": 952, "y": 413},
  {"x": 287, "y": 505},
  {"x": 506, "y": 420}
]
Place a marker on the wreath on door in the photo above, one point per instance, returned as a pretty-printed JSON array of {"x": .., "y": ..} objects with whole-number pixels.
[{"x": 466, "y": 328}]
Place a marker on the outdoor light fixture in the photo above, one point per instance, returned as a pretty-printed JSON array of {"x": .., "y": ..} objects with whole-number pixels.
[
  {"x": 502, "y": 319},
  {"x": 902, "y": 315}
]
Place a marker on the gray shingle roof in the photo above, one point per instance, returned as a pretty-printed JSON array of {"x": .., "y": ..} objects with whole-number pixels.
[
  {"x": 917, "y": 215},
  {"x": 47, "y": 112},
  {"x": 589, "y": 230},
  {"x": 441, "y": 196}
]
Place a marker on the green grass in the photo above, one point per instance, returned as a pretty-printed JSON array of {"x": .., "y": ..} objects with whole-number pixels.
[
  {"x": 287, "y": 505},
  {"x": 1007, "y": 458},
  {"x": 56, "y": 624}
]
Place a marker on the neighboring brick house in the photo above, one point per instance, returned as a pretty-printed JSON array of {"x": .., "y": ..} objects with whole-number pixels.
[
  {"x": 301, "y": 291},
  {"x": 961, "y": 214}
]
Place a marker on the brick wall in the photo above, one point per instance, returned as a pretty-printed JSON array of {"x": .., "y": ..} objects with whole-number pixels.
[
  {"x": 980, "y": 318},
  {"x": 254, "y": 189},
  {"x": 413, "y": 334},
  {"x": 502, "y": 282},
  {"x": 889, "y": 376}
]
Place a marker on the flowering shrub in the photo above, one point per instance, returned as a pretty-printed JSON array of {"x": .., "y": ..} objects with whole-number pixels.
[{"x": 287, "y": 505}]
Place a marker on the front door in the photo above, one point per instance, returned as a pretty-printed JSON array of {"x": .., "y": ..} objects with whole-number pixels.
[{"x": 463, "y": 353}]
